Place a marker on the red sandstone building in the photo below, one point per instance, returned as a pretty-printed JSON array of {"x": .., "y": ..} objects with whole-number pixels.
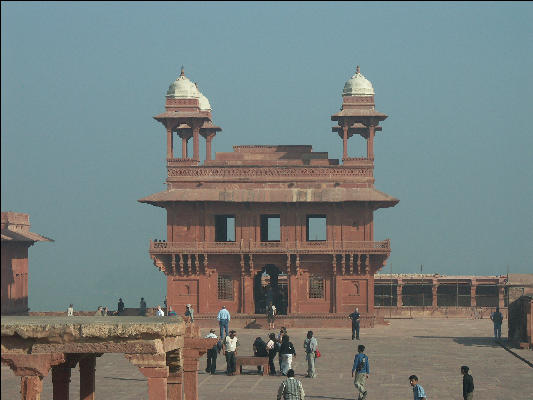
[
  {"x": 16, "y": 240},
  {"x": 302, "y": 218}
]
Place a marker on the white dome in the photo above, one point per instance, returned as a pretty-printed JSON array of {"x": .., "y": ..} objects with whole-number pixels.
[
  {"x": 203, "y": 103},
  {"x": 358, "y": 85},
  {"x": 183, "y": 88}
]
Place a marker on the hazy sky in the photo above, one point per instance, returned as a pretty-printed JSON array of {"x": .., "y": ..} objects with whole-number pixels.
[{"x": 81, "y": 82}]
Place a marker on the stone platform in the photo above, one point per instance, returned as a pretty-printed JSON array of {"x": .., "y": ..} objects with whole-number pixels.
[{"x": 433, "y": 349}]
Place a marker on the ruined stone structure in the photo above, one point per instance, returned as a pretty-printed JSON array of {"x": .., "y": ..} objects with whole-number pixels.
[
  {"x": 166, "y": 351},
  {"x": 16, "y": 240},
  {"x": 302, "y": 218}
]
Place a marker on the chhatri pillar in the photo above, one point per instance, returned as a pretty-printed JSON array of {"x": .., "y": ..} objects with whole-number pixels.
[{"x": 153, "y": 367}]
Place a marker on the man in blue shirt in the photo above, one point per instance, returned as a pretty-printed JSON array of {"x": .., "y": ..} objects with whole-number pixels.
[
  {"x": 418, "y": 391},
  {"x": 497, "y": 319},
  {"x": 362, "y": 369},
  {"x": 223, "y": 321}
]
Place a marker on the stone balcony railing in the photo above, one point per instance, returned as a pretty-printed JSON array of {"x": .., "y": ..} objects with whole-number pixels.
[{"x": 243, "y": 246}]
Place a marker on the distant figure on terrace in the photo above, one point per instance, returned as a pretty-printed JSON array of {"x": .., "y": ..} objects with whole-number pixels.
[
  {"x": 120, "y": 307},
  {"x": 142, "y": 307},
  {"x": 223, "y": 318},
  {"x": 171, "y": 312},
  {"x": 98, "y": 312},
  {"x": 105, "y": 311},
  {"x": 497, "y": 319},
  {"x": 189, "y": 312},
  {"x": 70, "y": 311},
  {"x": 271, "y": 315},
  {"x": 160, "y": 312},
  {"x": 355, "y": 317}
]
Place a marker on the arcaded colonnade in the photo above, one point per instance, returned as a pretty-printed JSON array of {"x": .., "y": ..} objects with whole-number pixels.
[{"x": 166, "y": 351}]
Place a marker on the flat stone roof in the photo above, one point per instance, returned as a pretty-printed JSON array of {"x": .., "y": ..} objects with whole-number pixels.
[{"x": 75, "y": 328}]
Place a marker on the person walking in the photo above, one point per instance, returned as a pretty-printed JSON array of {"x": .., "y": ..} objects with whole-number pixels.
[
  {"x": 287, "y": 352},
  {"x": 291, "y": 388},
  {"x": 120, "y": 307},
  {"x": 497, "y": 319},
  {"x": 212, "y": 354},
  {"x": 361, "y": 370},
  {"x": 189, "y": 312},
  {"x": 142, "y": 307},
  {"x": 310, "y": 347},
  {"x": 223, "y": 318},
  {"x": 230, "y": 350},
  {"x": 70, "y": 311},
  {"x": 468, "y": 383},
  {"x": 355, "y": 317},
  {"x": 272, "y": 349},
  {"x": 171, "y": 312},
  {"x": 418, "y": 391},
  {"x": 282, "y": 331}
]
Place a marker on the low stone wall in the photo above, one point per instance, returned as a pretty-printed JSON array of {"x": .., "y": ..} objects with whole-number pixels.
[{"x": 439, "y": 312}]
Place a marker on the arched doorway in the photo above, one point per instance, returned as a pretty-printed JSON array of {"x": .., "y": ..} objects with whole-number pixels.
[{"x": 270, "y": 285}]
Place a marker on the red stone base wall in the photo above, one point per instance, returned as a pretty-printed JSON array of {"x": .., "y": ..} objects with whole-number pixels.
[{"x": 439, "y": 312}]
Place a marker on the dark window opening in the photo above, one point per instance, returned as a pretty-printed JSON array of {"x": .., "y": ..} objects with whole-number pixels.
[
  {"x": 453, "y": 295},
  {"x": 417, "y": 295},
  {"x": 316, "y": 228},
  {"x": 270, "y": 228},
  {"x": 487, "y": 296},
  {"x": 224, "y": 228},
  {"x": 385, "y": 295},
  {"x": 316, "y": 287},
  {"x": 225, "y": 287}
]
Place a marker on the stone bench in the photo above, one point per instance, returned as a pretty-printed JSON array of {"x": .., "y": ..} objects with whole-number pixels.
[{"x": 250, "y": 360}]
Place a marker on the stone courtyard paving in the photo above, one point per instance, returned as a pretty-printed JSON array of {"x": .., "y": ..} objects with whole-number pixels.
[{"x": 433, "y": 349}]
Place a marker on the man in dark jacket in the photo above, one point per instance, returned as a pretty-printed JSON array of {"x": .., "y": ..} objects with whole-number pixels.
[
  {"x": 355, "y": 316},
  {"x": 497, "y": 319},
  {"x": 468, "y": 384}
]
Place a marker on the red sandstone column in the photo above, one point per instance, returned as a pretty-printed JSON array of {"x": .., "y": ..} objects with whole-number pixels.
[
  {"x": 61, "y": 382},
  {"x": 184, "y": 141},
  {"x": 345, "y": 141},
  {"x": 208, "y": 140},
  {"x": 473, "y": 287},
  {"x": 170, "y": 144},
  {"x": 196, "y": 142},
  {"x": 87, "y": 377},
  {"x": 157, "y": 382},
  {"x": 399, "y": 300},
  {"x": 434, "y": 293},
  {"x": 190, "y": 373},
  {"x": 501, "y": 295},
  {"x": 370, "y": 142},
  {"x": 31, "y": 387},
  {"x": 174, "y": 386}
]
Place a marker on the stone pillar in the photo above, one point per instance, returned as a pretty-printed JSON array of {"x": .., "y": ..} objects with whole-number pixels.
[
  {"x": 174, "y": 385},
  {"x": 343, "y": 264},
  {"x": 501, "y": 296},
  {"x": 196, "y": 142},
  {"x": 190, "y": 373},
  {"x": 351, "y": 264},
  {"x": 32, "y": 368},
  {"x": 157, "y": 382},
  {"x": 399, "y": 288},
  {"x": 473, "y": 287},
  {"x": 434, "y": 289},
  {"x": 367, "y": 264},
  {"x": 358, "y": 263},
  {"x": 184, "y": 141},
  {"x": 170, "y": 143},
  {"x": 61, "y": 382},
  {"x": 87, "y": 377},
  {"x": 345, "y": 140},
  {"x": 153, "y": 367},
  {"x": 370, "y": 142},
  {"x": 208, "y": 141},
  {"x": 334, "y": 284}
]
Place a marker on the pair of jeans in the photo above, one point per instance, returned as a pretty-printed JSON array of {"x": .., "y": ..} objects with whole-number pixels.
[
  {"x": 230, "y": 362},
  {"x": 271, "y": 355},
  {"x": 286, "y": 363},
  {"x": 310, "y": 357},
  {"x": 497, "y": 331},
  {"x": 211, "y": 361},
  {"x": 223, "y": 324},
  {"x": 355, "y": 330}
]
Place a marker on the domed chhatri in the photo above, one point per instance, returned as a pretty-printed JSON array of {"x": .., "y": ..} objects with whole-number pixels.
[
  {"x": 183, "y": 88},
  {"x": 358, "y": 85},
  {"x": 203, "y": 103}
]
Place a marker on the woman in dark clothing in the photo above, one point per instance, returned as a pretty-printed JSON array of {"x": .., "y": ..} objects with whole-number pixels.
[
  {"x": 272, "y": 350},
  {"x": 259, "y": 350},
  {"x": 287, "y": 353}
]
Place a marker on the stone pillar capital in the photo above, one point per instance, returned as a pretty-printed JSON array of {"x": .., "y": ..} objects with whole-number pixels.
[{"x": 32, "y": 364}]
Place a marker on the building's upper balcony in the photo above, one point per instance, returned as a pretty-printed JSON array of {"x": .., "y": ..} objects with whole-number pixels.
[{"x": 243, "y": 246}]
